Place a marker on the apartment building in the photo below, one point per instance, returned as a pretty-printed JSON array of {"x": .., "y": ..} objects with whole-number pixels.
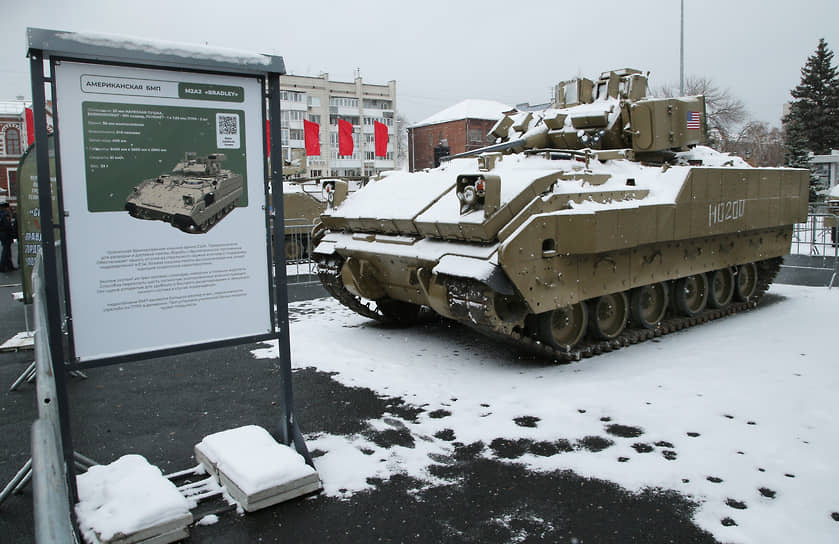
[{"x": 324, "y": 102}]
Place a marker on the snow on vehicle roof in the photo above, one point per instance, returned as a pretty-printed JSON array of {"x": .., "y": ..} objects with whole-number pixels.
[
  {"x": 405, "y": 195},
  {"x": 471, "y": 108}
]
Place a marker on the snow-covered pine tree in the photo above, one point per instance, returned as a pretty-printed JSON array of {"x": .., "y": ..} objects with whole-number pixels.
[{"x": 813, "y": 120}]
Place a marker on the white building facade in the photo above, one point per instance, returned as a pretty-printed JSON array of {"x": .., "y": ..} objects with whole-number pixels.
[{"x": 321, "y": 101}]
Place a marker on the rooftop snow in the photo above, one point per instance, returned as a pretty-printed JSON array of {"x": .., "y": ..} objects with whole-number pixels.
[{"x": 471, "y": 108}]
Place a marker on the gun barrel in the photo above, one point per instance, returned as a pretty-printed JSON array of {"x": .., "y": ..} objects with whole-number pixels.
[{"x": 503, "y": 146}]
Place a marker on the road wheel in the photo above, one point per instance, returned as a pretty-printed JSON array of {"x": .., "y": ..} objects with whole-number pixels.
[
  {"x": 564, "y": 327},
  {"x": 721, "y": 288},
  {"x": 648, "y": 304},
  {"x": 746, "y": 283},
  {"x": 690, "y": 294},
  {"x": 608, "y": 315}
]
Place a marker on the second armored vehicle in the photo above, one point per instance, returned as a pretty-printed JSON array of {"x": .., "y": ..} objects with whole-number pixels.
[
  {"x": 193, "y": 197},
  {"x": 596, "y": 223},
  {"x": 303, "y": 202}
]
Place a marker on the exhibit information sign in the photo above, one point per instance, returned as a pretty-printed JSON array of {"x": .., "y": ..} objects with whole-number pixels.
[
  {"x": 29, "y": 212},
  {"x": 164, "y": 198}
]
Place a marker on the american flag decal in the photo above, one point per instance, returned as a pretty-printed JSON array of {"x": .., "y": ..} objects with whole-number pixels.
[{"x": 693, "y": 120}]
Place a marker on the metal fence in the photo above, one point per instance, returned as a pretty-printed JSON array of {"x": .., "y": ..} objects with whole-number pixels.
[
  {"x": 300, "y": 268},
  {"x": 815, "y": 246},
  {"x": 50, "y": 494}
]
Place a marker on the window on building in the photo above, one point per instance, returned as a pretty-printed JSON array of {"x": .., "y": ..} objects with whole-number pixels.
[
  {"x": 296, "y": 134},
  {"x": 12, "y": 141},
  {"x": 292, "y": 96},
  {"x": 315, "y": 118},
  {"x": 316, "y": 173},
  {"x": 475, "y": 136},
  {"x": 12, "y": 175},
  {"x": 378, "y": 104},
  {"x": 343, "y": 101},
  {"x": 314, "y": 101}
]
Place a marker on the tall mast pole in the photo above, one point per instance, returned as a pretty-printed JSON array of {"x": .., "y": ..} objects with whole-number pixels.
[{"x": 682, "y": 54}]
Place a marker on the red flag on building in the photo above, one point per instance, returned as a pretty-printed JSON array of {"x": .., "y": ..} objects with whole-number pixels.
[
  {"x": 30, "y": 127},
  {"x": 381, "y": 138},
  {"x": 345, "y": 144},
  {"x": 311, "y": 134},
  {"x": 268, "y": 135}
]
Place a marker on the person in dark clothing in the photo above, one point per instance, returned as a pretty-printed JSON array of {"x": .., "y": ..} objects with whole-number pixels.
[{"x": 7, "y": 234}]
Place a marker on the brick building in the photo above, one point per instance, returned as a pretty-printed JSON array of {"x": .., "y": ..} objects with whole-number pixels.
[
  {"x": 12, "y": 146},
  {"x": 462, "y": 127}
]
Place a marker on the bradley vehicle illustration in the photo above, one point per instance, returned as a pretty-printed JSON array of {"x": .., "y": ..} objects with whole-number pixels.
[
  {"x": 596, "y": 223},
  {"x": 193, "y": 197}
]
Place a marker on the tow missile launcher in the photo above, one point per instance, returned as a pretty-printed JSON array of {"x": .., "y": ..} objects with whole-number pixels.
[
  {"x": 596, "y": 223},
  {"x": 193, "y": 197}
]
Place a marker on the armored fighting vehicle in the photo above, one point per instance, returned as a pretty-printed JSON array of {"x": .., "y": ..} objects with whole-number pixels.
[
  {"x": 193, "y": 197},
  {"x": 303, "y": 202},
  {"x": 596, "y": 223}
]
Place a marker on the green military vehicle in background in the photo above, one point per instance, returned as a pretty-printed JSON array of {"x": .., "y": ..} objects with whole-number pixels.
[
  {"x": 596, "y": 223},
  {"x": 304, "y": 200}
]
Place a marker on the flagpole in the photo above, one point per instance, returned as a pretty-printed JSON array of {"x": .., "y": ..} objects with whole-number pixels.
[{"x": 682, "y": 53}]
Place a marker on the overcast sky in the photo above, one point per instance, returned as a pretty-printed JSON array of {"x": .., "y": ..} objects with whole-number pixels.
[{"x": 443, "y": 51}]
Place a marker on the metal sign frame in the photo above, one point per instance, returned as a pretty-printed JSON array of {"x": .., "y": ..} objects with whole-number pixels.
[{"x": 54, "y": 47}]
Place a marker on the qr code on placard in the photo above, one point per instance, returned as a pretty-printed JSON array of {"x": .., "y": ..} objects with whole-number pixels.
[{"x": 227, "y": 130}]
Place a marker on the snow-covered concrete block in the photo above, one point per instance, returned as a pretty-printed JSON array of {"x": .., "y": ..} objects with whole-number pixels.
[
  {"x": 130, "y": 502},
  {"x": 255, "y": 469}
]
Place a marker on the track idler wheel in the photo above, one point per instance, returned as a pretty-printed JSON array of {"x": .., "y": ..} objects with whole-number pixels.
[
  {"x": 608, "y": 315},
  {"x": 564, "y": 327},
  {"x": 721, "y": 288},
  {"x": 648, "y": 304},
  {"x": 746, "y": 284},
  {"x": 690, "y": 295}
]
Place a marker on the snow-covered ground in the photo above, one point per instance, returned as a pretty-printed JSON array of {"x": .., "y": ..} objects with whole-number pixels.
[{"x": 737, "y": 414}]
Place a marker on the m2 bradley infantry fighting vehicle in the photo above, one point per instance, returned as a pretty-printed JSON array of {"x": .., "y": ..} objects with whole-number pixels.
[
  {"x": 193, "y": 197},
  {"x": 596, "y": 223}
]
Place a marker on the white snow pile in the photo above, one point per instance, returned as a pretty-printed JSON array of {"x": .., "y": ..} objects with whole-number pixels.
[
  {"x": 471, "y": 108},
  {"x": 164, "y": 47},
  {"x": 737, "y": 414},
  {"x": 253, "y": 459},
  {"x": 126, "y": 496}
]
